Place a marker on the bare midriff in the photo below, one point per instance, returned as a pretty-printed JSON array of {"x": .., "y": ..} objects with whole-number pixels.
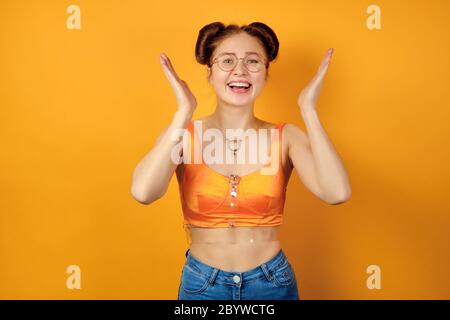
[{"x": 235, "y": 249}]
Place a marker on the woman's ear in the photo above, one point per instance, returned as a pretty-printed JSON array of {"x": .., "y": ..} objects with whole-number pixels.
[
  {"x": 267, "y": 74},
  {"x": 208, "y": 74}
]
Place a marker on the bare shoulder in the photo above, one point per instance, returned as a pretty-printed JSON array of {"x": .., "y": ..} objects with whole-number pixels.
[
  {"x": 287, "y": 165},
  {"x": 205, "y": 121},
  {"x": 294, "y": 135},
  {"x": 265, "y": 124},
  {"x": 291, "y": 133},
  {"x": 288, "y": 132}
]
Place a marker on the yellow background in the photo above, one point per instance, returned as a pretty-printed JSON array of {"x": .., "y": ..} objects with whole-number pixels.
[{"x": 80, "y": 108}]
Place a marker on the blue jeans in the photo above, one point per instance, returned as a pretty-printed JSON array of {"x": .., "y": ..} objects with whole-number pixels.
[{"x": 272, "y": 280}]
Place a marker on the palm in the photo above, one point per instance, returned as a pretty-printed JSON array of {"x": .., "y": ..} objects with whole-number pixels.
[
  {"x": 308, "y": 96},
  {"x": 185, "y": 99}
]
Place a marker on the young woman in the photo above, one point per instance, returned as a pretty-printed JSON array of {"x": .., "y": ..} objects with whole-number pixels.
[{"x": 232, "y": 211}]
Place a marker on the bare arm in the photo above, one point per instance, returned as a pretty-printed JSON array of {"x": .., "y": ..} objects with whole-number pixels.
[
  {"x": 313, "y": 155},
  {"x": 152, "y": 175},
  {"x": 317, "y": 162}
]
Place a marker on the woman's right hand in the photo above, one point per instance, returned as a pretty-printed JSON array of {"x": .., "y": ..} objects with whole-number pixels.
[{"x": 185, "y": 99}]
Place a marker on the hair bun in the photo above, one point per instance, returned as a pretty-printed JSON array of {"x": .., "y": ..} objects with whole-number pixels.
[
  {"x": 205, "y": 41},
  {"x": 270, "y": 42}
]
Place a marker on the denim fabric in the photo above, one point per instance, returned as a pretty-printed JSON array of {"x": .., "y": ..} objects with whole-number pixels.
[{"x": 272, "y": 280}]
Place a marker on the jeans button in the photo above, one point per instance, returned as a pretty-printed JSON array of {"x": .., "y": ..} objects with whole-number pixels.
[{"x": 236, "y": 279}]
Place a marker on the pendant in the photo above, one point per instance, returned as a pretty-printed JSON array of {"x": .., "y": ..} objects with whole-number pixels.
[
  {"x": 236, "y": 145},
  {"x": 234, "y": 181}
]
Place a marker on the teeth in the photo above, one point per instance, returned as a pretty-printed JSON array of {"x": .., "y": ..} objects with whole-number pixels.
[{"x": 239, "y": 84}]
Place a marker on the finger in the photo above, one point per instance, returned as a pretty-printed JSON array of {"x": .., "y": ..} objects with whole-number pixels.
[
  {"x": 170, "y": 74},
  {"x": 324, "y": 66},
  {"x": 185, "y": 84},
  {"x": 166, "y": 63},
  {"x": 317, "y": 81},
  {"x": 169, "y": 63},
  {"x": 186, "y": 88},
  {"x": 165, "y": 60},
  {"x": 326, "y": 60}
]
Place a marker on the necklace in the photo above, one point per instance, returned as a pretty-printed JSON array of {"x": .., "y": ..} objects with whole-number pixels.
[{"x": 233, "y": 144}]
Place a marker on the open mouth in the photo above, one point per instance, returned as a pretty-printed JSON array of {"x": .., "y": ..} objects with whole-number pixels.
[{"x": 239, "y": 87}]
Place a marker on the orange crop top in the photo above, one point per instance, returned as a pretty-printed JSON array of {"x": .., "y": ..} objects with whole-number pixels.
[{"x": 213, "y": 200}]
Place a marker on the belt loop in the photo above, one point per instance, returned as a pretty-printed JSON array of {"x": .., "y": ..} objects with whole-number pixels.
[
  {"x": 266, "y": 272},
  {"x": 213, "y": 275}
]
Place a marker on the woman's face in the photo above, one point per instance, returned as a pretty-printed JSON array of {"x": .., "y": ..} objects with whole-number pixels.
[{"x": 220, "y": 80}]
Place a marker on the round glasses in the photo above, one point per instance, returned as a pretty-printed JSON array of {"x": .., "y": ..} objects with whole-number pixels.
[{"x": 228, "y": 61}]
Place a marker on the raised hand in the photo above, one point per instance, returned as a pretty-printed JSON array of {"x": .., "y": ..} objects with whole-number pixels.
[
  {"x": 308, "y": 96},
  {"x": 185, "y": 99}
]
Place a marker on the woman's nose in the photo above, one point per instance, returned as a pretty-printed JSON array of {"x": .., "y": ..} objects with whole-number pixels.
[{"x": 240, "y": 68}]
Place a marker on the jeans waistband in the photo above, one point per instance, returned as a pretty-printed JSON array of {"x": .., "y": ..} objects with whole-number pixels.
[{"x": 265, "y": 269}]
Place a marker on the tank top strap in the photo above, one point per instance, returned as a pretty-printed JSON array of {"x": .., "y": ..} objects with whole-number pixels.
[
  {"x": 194, "y": 139},
  {"x": 190, "y": 142},
  {"x": 280, "y": 126}
]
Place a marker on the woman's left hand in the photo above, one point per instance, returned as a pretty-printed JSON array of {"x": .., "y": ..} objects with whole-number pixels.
[{"x": 308, "y": 97}]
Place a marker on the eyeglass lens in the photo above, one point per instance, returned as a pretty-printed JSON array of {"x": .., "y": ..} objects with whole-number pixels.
[{"x": 252, "y": 62}]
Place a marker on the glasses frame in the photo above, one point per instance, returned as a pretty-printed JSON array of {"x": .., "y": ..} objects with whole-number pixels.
[{"x": 224, "y": 53}]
